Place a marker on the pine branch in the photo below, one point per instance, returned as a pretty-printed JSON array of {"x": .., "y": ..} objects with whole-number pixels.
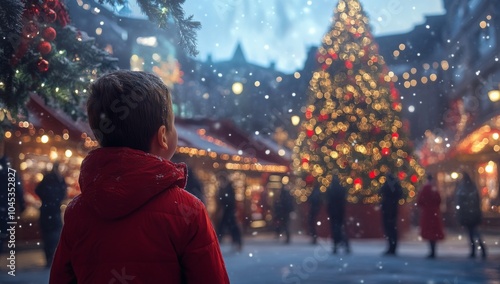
[
  {"x": 10, "y": 27},
  {"x": 161, "y": 12}
]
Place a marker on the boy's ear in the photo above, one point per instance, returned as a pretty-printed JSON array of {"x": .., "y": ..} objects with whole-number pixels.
[{"x": 162, "y": 137}]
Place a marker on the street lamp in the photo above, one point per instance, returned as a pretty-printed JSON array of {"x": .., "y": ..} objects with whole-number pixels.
[
  {"x": 295, "y": 120},
  {"x": 237, "y": 88},
  {"x": 494, "y": 95}
]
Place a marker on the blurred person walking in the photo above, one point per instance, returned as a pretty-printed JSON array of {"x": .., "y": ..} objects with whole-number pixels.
[
  {"x": 469, "y": 213},
  {"x": 227, "y": 205},
  {"x": 314, "y": 208},
  {"x": 336, "y": 211},
  {"x": 52, "y": 191},
  {"x": 390, "y": 193},
  {"x": 431, "y": 225},
  {"x": 194, "y": 186},
  {"x": 283, "y": 206}
]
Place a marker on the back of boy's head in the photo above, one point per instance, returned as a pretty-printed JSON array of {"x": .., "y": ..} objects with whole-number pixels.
[{"x": 126, "y": 108}]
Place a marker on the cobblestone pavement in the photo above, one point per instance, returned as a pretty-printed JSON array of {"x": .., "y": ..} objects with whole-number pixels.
[{"x": 265, "y": 259}]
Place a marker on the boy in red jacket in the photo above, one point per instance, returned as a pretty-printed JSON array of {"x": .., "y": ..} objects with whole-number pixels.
[{"x": 134, "y": 222}]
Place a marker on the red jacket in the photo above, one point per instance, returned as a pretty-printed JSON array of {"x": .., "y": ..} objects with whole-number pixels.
[
  {"x": 431, "y": 224},
  {"x": 134, "y": 223}
]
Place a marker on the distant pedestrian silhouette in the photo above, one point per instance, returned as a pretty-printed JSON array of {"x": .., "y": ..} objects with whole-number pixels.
[
  {"x": 336, "y": 211},
  {"x": 314, "y": 208},
  {"x": 52, "y": 191},
  {"x": 194, "y": 186},
  {"x": 390, "y": 193},
  {"x": 469, "y": 213},
  {"x": 283, "y": 206},
  {"x": 431, "y": 225},
  {"x": 227, "y": 205}
]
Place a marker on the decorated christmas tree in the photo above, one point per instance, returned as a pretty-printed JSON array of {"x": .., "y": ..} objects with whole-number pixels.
[{"x": 352, "y": 126}]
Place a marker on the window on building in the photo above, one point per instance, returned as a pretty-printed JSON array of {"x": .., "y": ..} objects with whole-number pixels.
[{"x": 474, "y": 4}]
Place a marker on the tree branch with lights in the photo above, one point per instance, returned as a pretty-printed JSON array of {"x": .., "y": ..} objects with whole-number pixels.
[
  {"x": 352, "y": 127},
  {"x": 41, "y": 53}
]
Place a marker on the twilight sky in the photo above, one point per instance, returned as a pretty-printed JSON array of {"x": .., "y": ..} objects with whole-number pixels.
[{"x": 282, "y": 30}]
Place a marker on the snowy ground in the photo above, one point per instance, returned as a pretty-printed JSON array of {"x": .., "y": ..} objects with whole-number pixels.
[{"x": 266, "y": 260}]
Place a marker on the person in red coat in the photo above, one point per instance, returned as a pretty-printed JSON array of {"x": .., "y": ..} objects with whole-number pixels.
[
  {"x": 431, "y": 224},
  {"x": 133, "y": 221}
]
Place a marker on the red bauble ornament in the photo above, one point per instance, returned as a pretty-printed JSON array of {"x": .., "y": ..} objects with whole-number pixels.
[
  {"x": 348, "y": 64},
  {"x": 395, "y": 135},
  {"x": 309, "y": 179},
  {"x": 395, "y": 106},
  {"x": 385, "y": 151},
  {"x": 310, "y": 133},
  {"x": 44, "y": 47},
  {"x": 401, "y": 175},
  {"x": 43, "y": 65},
  {"x": 308, "y": 114},
  {"x": 51, "y": 4},
  {"x": 50, "y": 16},
  {"x": 358, "y": 181},
  {"x": 30, "y": 30},
  {"x": 376, "y": 130},
  {"x": 31, "y": 13},
  {"x": 372, "y": 174},
  {"x": 394, "y": 94},
  {"x": 305, "y": 161},
  {"x": 323, "y": 117},
  {"x": 49, "y": 34},
  {"x": 414, "y": 178},
  {"x": 348, "y": 96}
]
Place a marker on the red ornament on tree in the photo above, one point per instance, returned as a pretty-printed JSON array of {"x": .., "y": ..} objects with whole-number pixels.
[
  {"x": 401, "y": 175},
  {"x": 414, "y": 178},
  {"x": 395, "y": 135},
  {"x": 395, "y": 106},
  {"x": 44, "y": 47},
  {"x": 309, "y": 133},
  {"x": 323, "y": 117},
  {"x": 308, "y": 114},
  {"x": 385, "y": 151},
  {"x": 372, "y": 174},
  {"x": 43, "y": 65},
  {"x": 348, "y": 64},
  {"x": 348, "y": 96},
  {"x": 358, "y": 181},
  {"x": 309, "y": 180},
  {"x": 31, "y": 13},
  {"x": 49, "y": 34},
  {"x": 50, "y": 16},
  {"x": 30, "y": 30},
  {"x": 51, "y": 4}
]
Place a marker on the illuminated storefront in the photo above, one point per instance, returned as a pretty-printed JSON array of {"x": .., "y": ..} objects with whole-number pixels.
[{"x": 479, "y": 155}]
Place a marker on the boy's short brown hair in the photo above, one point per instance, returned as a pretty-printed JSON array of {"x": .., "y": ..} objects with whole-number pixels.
[{"x": 126, "y": 108}]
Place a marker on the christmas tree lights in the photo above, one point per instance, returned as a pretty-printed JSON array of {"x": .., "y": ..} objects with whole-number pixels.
[{"x": 352, "y": 126}]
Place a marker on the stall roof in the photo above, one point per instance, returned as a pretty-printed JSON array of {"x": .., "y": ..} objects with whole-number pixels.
[
  {"x": 219, "y": 136},
  {"x": 209, "y": 134},
  {"x": 41, "y": 116}
]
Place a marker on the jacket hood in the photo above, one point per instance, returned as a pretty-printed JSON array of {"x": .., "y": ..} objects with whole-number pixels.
[{"x": 117, "y": 181}]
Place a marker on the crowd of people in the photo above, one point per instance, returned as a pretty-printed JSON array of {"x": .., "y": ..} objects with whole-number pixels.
[{"x": 111, "y": 213}]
